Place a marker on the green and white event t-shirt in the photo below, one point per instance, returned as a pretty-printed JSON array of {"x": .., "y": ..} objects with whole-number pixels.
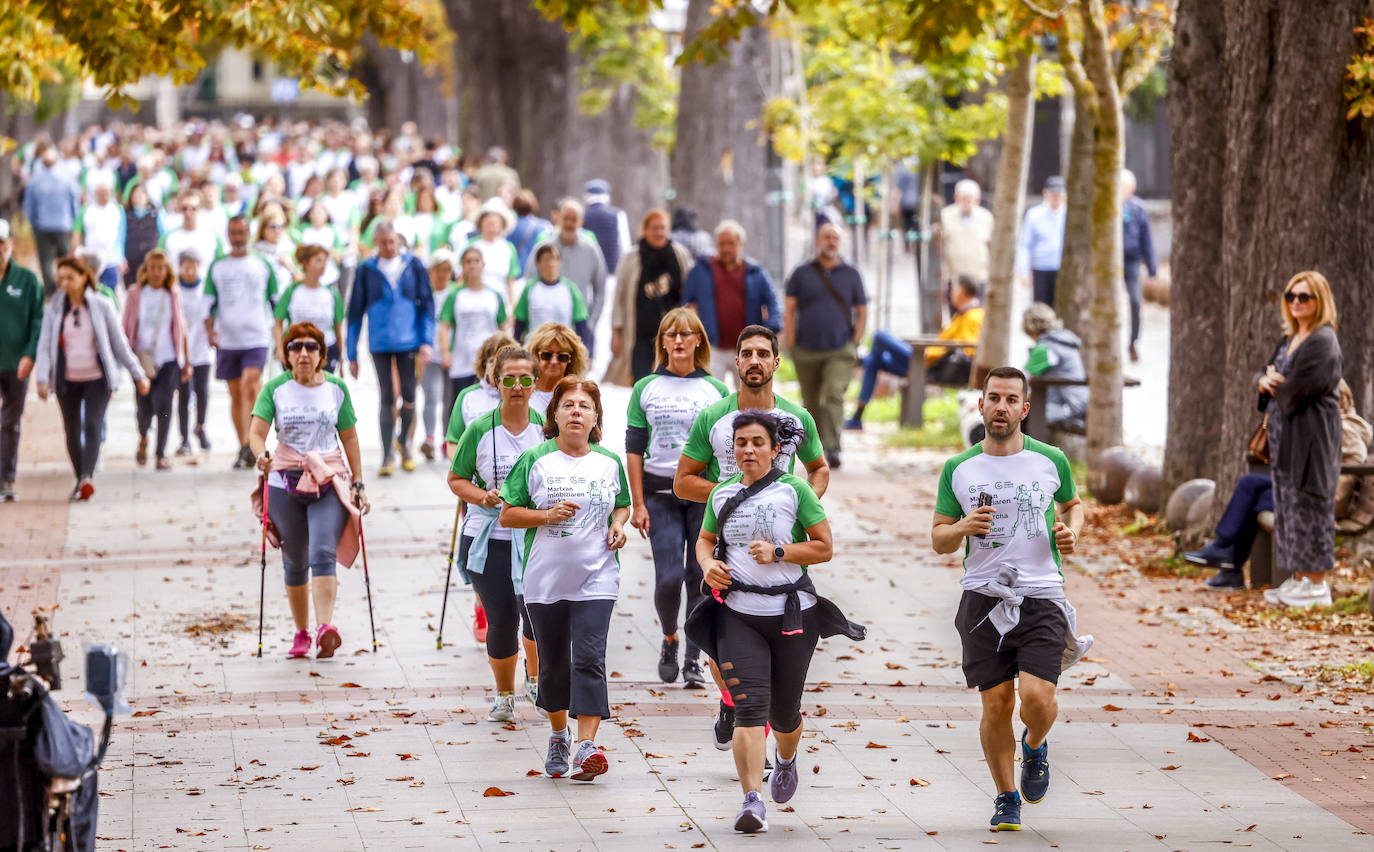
[
  {"x": 667, "y": 405},
  {"x": 542, "y": 302},
  {"x": 308, "y": 419},
  {"x": 1019, "y": 549},
  {"x": 569, "y": 561},
  {"x": 320, "y": 306},
  {"x": 485, "y": 455},
  {"x": 474, "y": 315},
  {"x": 473, "y": 401},
  {"x": 779, "y": 514},
  {"x": 712, "y": 439},
  {"x": 242, "y": 290}
]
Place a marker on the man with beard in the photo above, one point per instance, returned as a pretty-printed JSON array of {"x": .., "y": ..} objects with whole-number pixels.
[
  {"x": 708, "y": 457},
  {"x": 1013, "y": 618}
]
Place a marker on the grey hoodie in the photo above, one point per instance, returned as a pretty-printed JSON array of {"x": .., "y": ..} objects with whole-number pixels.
[{"x": 1063, "y": 351}]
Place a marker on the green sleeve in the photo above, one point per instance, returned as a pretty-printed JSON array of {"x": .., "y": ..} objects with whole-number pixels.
[
  {"x": 945, "y": 502},
  {"x": 708, "y": 521},
  {"x": 162, "y": 242},
  {"x": 500, "y": 309},
  {"x": 80, "y": 225},
  {"x": 1039, "y": 360},
  {"x": 455, "y": 418},
  {"x": 366, "y": 238},
  {"x": 465, "y": 457},
  {"x": 514, "y": 271},
  {"x": 809, "y": 510},
  {"x": 338, "y": 306},
  {"x": 1067, "y": 490},
  {"x": 446, "y": 310},
  {"x": 266, "y": 406},
  {"x": 810, "y": 448},
  {"x": 719, "y": 385},
  {"x": 635, "y": 412},
  {"x": 210, "y": 280},
  {"x": 271, "y": 282},
  {"x": 516, "y": 489},
  {"x": 579, "y": 304},
  {"x": 348, "y": 418},
  {"x": 284, "y": 303},
  {"x": 522, "y": 306},
  {"x": 698, "y": 446},
  {"x": 622, "y": 499}
]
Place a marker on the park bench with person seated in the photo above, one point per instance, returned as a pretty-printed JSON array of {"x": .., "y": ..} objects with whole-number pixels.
[{"x": 914, "y": 384}]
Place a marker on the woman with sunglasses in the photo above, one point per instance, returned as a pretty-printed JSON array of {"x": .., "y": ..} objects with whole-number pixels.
[
  {"x": 663, "y": 406},
  {"x": 311, "y": 300},
  {"x": 485, "y": 455},
  {"x": 1298, "y": 394},
  {"x": 561, "y": 354},
  {"x": 313, "y": 501},
  {"x": 570, "y": 497}
]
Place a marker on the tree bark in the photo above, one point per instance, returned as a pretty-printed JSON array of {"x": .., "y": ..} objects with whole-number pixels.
[
  {"x": 994, "y": 346},
  {"x": 400, "y": 91},
  {"x": 719, "y": 164},
  {"x": 1294, "y": 192},
  {"x": 1073, "y": 287},
  {"x": 1104, "y": 338}
]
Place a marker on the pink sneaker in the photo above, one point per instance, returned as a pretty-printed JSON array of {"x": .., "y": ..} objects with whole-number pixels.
[
  {"x": 327, "y": 638},
  {"x": 301, "y": 647}
]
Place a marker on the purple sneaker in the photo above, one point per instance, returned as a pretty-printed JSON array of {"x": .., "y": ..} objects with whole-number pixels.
[
  {"x": 753, "y": 816},
  {"x": 783, "y": 785}
]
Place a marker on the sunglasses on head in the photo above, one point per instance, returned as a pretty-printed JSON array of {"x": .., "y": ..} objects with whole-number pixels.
[
  {"x": 1301, "y": 298},
  {"x": 307, "y": 345},
  {"x": 525, "y": 381},
  {"x": 560, "y": 357}
]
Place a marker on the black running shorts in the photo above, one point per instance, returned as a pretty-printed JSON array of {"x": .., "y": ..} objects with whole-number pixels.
[{"x": 1034, "y": 646}]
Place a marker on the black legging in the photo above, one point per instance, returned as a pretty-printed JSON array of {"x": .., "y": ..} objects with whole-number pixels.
[
  {"x": 506, "y": 616},
  {"x": 200, "y": 385},
  {"x": 405, "y": 366},
  {"x": 455, "y": 387},
  {"x": 764, "y": 670},
  {"x": 83, "y": 434},
  {"x": 674, "y": 525},
  {"x": 158, "y": 402}
]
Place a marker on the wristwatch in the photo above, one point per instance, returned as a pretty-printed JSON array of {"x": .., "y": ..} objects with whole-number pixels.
[{"x": 777, "y": 553}]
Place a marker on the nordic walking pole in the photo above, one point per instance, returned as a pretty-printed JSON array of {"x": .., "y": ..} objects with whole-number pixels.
[
  {"x": 448, "y": 572},
  {"x": 362, "y": 542},
  {"x": 262, "y": 579}
]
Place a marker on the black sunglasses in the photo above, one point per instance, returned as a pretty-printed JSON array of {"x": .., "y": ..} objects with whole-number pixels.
[
  {"x": 307, "y": 345},
  {"x": 1301, "y": 298},
  {"x": 560, "y": 357}
]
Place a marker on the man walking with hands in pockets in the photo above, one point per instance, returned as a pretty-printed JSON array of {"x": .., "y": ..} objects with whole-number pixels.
[{"x": 1014, "y": 621}]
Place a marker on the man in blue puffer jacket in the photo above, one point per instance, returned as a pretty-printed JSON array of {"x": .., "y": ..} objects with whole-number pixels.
[
  {"x": 392, "y": 291},
  {"x": 730, "y": 292}
]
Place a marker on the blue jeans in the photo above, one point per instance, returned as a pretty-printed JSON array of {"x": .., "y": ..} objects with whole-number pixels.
[
  {"x": 1254, "y": 494},
  {"x": 889, "y": 355}
]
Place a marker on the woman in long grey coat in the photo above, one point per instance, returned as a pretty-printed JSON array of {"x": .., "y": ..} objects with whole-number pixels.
[{"x": 1298, "y": 394}]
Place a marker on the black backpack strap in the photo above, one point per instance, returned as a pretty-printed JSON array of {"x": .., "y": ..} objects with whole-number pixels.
[{"x": 735, "y": 502}]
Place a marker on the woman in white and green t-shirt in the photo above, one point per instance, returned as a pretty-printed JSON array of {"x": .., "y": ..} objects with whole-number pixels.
[
  {"x": 312, "y": 498},
  {"x": 483, "y": 460},
  {"x": 663, "y": 407},
  {"x": 311, "y": 300},
  {"x": 570, "y": 496},
  {"x": 319, "y": 229},
  {"x": 470, "y": 314}
]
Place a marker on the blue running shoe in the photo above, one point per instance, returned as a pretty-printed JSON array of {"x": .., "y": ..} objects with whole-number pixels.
[
  {"x": 1035, "y": 770},
  {"x": 753, "y": 816},
  {"x": 1007, "y": 813}
]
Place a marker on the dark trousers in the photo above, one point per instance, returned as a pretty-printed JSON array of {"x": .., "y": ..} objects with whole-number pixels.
[
  {"x": 455, "y": 387},
  {"x": 1042, "y": 285},
  {"x": 505, "y": 609},
  {"x": 571, "y": 637},
  {"x": 158, "y": 403},
  {"x": 199, "y": 384},
  {"x": 405, "y": 367},
  {"x": 51, "y": 245},
  {"x": 890, "y": 354},
  {"x": 1132, "y": 275},
  {"x": 12, "y": 392},
  {"x": 674, "y": 525},
  {"x": 765, "y": 669},
  {"x": 83, "y": 429},
  {"x": 642, "y": 358},
  {"x": 1254, "y": 494}
]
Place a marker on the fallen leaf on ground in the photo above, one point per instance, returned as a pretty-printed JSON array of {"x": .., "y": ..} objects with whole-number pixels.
[
  {"x": 1281, "y": 776},
  {"x": 875, "y": 745},
  {"x": 364, "y": 810},
  {"x": 919, "y": 782},
  {"x": 307, "y": 768},
  {"x": 1110, "y": 707},
  {"x": 141, "y": 713},
  {"x": 351, "y": 685},
  {"x": 1169, "y": 768},
  {"x": 1194, "y": 738},
  {"x": 496, "y": 791}
]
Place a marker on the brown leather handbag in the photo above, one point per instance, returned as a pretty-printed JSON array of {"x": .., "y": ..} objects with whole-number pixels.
[{"x": 1259, "y": 442}]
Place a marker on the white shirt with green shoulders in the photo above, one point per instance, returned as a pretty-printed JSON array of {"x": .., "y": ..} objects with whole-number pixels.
[
  {"x": 712, "y": 439},
  {"x": 242, "y": 291},
  {"x": 1025, "y": 487},
  {"x": 308, "y": 419},
  {"x": 485, "y": 455},
  {"x": 665, "y": 405},
  {"x": 569, "y": 561}
]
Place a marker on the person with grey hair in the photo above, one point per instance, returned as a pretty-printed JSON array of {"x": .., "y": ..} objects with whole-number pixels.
[
  {"x": 1137, "y": 247},
  {"x": 495, "y": 174},
  {"x": 1040, "y": 247},
  {"x": 730, "y": 292},
  {"x": 964, "y": 239},
  {"x": 583, "y": 262},
  {"x": 1057, "y": 353}
]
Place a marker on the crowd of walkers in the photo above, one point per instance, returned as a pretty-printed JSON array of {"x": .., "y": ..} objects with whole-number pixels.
[{"x": 251, "y": 246}]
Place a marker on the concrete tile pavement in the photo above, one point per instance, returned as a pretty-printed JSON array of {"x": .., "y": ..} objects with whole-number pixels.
[{"x": 231, "y": 746}]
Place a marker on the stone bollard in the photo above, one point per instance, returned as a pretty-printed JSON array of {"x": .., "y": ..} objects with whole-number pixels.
[
  {"x": 1107, "y": 477},
  {"x": 1144, "y": 490},
  {"x": 1180, "y": 503}
]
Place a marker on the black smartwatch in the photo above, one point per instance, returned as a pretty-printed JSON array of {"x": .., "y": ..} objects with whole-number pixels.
[{"x": 777, "y": 553}]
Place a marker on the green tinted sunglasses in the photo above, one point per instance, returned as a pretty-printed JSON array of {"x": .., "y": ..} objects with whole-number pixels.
[{"x": 525, "y": 381}]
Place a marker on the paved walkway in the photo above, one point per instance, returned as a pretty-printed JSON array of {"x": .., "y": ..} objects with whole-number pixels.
[{"x": 391, "y": 750}]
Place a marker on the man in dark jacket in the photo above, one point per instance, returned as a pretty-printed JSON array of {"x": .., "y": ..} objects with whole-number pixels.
[
  {"x": 1137, "y": 247},
  {"x": 607, "y": 222},
  {"x": 21, "y": 317},
  {"x": 729, "y": 292}
]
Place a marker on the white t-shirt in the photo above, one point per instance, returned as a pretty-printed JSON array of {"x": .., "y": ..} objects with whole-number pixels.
[
  {"x": 569, "y": 561},
  {"x": 320, "y": 306},
  {"x": 779, "y": 514},
  {"x": 539, "y": 401},
  {"x": 485, "y": 455},
  {"x": 242, "y": 289},
  {"x": 203, "y": 239},
  {"x": 474, "y": 315},
  {"x": 391, "y": 268},
  {"x": 499, "y": 262},
  {"x": 328, "y": 238},
  {"x": 102, "y": 229},
  {"x": 476, "y": 400},
  {"x": 308, "y": 419},
  {"x": 155, "y": 325},
  {"x": 667, "y": 405},
  {"x": 549, "y": 303},
  {"x": 196, "y": 306},
  {"x": 1019, "y": 550}
]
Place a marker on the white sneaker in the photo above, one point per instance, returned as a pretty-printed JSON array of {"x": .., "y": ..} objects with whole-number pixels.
[
  {"x": 1286, "y": 587},
  {"x": 532, "y": 693},
  {"x": 1307, "y": 594},
  {"x": 502, "y": 709}
]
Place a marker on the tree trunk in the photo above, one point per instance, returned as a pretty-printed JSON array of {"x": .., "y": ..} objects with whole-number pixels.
[
  {"x": 399, "y": 90},
  {"x": 517, "y": 86},
  {"x": 1104, "y": 339},
  {"x": 1276, "y": 74},
  {"x": 994, "y": 346},
  {"x": 1073, "y": 287},
  {"x": 719, "y": 164}
]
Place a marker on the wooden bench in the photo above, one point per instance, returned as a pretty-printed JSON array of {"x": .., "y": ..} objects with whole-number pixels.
[
  {"x": 914, "y": 393},
  {"x": 1263, "y": 571},
  {"x": 1035, "y": 424}
]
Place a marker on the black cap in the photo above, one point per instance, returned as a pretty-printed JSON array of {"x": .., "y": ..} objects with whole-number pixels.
[{"x": 1055, "y": 183}]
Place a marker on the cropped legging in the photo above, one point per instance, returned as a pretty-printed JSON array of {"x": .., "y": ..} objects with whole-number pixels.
[
  {"x": 505, "y": 609},
  {"x": 309, "y": 530},
  {"x": 765, "y": 670}
]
